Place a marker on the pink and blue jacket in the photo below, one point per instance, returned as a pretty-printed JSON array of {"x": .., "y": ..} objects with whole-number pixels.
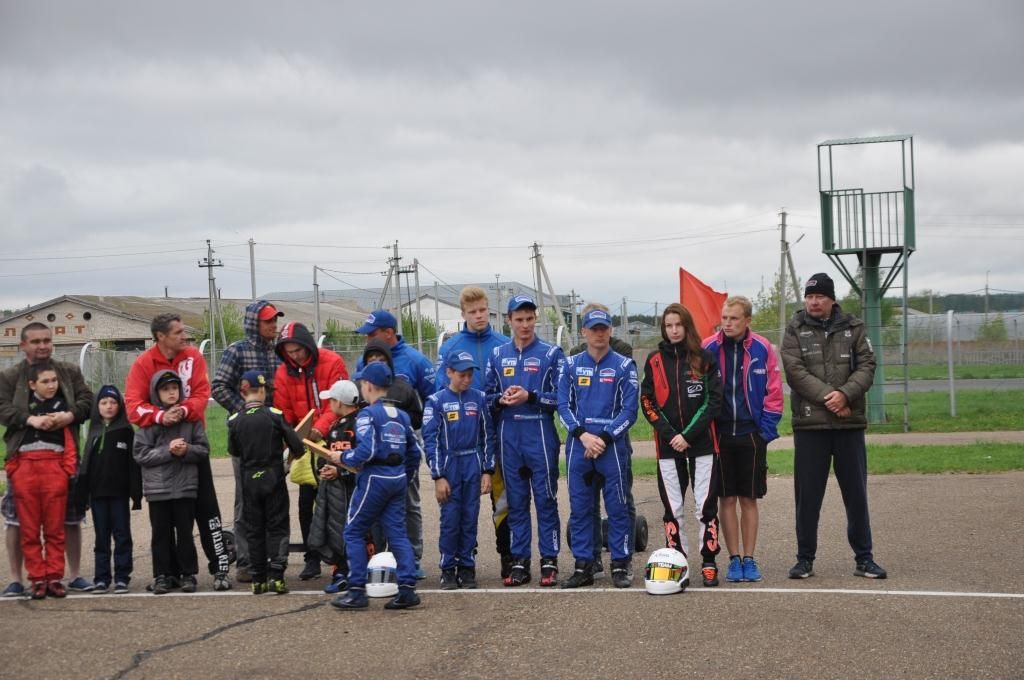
[{"x": 761, "y": 378}]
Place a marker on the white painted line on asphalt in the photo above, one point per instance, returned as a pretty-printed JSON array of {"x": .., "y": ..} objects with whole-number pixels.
[{"x": 559, "y": 591}]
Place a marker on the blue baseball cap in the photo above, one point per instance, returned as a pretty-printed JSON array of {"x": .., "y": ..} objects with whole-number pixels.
[
  {"x": 378, "y": 318},
  {"x": 596, "y": 317},
  {"x": 376, "y": 373},
  {"x": 461, "y": 361},
  {"x": 520, "y": 301},
  {"x": 255, "y": 378}
]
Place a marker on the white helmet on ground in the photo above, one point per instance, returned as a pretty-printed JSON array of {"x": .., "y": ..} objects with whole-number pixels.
[
  {"x": 666, "y": 572},
  {"x": 381, "y": 579}
]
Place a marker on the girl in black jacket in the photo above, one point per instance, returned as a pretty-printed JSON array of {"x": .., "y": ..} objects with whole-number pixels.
[{"x": 680, "y": 395}]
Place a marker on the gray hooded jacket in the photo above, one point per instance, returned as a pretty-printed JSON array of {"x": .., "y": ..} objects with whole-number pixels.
[{"x": 165, "y": 476}]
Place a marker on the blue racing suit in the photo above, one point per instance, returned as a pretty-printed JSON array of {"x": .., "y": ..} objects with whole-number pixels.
[
  {"x": 387, "y": 454},
  {"x": 527, "y": 440},
  {"x": 600, "y": 398},
  {"x": 480, "y": 344},
  {"x": 458, "y": 437}
]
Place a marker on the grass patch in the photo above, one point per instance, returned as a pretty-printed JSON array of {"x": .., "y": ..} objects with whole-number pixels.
[
  {"x": 983, "y": 372},
  {"x": 897, "y": 459}
]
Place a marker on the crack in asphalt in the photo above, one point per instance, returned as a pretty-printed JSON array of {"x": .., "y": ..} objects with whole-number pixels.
[{"x": 141, "y": 657}]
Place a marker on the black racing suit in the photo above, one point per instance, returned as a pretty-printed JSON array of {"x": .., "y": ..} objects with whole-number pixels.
[{"x": 258, "y": 435}]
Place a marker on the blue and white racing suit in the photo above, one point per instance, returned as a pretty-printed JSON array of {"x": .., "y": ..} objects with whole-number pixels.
[
  {"x": 387, "y": 453},
  {"x": 527, "y": 441},
  {"x": 458, "y": 437},
  {"x": 599, "y": 398},
  {"x": 480, "y": 344}
]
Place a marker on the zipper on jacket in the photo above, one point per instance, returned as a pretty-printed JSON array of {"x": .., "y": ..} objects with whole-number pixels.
[{"x": 735, "y": 356}]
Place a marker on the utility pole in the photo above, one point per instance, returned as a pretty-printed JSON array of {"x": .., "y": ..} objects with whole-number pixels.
[
  {"x": 572, "y": 315},
  {"x": 209, "y": 263},
  {"x": 316, "y": 307},
  {"x": 625, "y": 320},
  {"x": 542, "y": 280},
  {"x": 437, "y": 315},
  {"x": 398, "y": 287},
  {"x": 783, "y": 249},
  {"x": 419, "y": 317},
  {"x": 252, "y": 267},
  {"x": 542, "y": 320},
  {"x": 497, "y": 294}
]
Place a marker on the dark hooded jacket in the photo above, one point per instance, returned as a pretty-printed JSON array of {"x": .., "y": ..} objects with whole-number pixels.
[
  {"x": 297, "y": 388},
  {"x": 675, "y": 401},
  {"x": 253, "y": 352},
  {"x": 108, "y": 469},
  {"x": 165, "y": 476},
  {"x": 401, "y": 394}
]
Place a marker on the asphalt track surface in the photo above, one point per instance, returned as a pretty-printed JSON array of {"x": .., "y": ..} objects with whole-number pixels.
[{"x": 952, "y": 607}]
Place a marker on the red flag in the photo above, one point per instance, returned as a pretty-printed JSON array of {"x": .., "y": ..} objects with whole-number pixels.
[{"x": 703, "y": 302}]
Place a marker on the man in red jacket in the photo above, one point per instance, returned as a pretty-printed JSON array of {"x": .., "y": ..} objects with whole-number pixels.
[
  {"x": 170, "y": 352},
  {"x": 305, "y": 371}
]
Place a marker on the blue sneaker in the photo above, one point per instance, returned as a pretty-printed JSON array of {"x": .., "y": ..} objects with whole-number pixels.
[
  {"x": 81, "y": 585},
  {"x": 734, "y": 574},
  {"x": 353, "y": 599},
  {"x": 751, "y": 572},
  {"x": 338, "y": 584},
  {"x": 14, "y": 589}
]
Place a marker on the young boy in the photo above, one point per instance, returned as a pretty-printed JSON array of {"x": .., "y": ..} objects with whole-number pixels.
[
  {"x": 326, "y": 534},
  {"x": 387, "y": 454},
  {"x": 39, "y": 465},
  {"x": 168, "y": 455},
  {"x": 458, "y": 437},
  {"x": 109, "y": 477},
  {"x": 257, "y": 435}
]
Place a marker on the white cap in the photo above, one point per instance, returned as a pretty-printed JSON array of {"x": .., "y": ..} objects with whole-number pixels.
[{"x": 344, "y": 391}]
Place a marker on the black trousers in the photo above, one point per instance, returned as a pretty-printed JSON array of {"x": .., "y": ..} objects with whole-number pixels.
[
  {"x": 174, "y": 552},
  {"x": 265, "y": 508},
  {"x": 208, "y": 521},
  {"x": 815, "y": 452}
]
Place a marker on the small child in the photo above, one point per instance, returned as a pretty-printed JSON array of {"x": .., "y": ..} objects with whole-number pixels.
[
  {"x": 168, "y": 455},
  {"x": 330, "y": 512},
  {"x": 109, "y": 477},
  {"x": 458, "y": 436},
  {"x": 258, "y": 435},
  {"x": 40, "y": 464},
  {"x": 387, "y": 454}
]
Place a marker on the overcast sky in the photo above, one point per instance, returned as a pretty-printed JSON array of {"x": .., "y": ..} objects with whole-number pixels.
[{"x": 627, "y": 138}]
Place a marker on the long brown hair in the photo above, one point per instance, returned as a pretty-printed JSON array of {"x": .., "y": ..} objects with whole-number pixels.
[{"x": 691, "y": 340}]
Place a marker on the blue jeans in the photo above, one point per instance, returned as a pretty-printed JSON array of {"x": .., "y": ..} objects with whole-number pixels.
[{"x": 112, "y": 519}]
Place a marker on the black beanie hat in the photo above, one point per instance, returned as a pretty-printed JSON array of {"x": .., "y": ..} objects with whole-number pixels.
[{"x": 821, "y": 284}]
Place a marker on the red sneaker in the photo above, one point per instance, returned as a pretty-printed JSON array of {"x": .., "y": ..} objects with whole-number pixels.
[
  {"x": 39, "y": 590},
  {"x": 56, "y": 589}
]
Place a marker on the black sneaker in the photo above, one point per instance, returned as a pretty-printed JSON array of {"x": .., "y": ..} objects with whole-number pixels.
[
  {"x": 449, "y": 580},
  {"x": 520, "y": 574},
  {"x": 582, "y": 575},
  {"x": 188, "y": 583},
  {"x": 466, "y": 577},
  {"x": 802, "y": 569},
  {"x": 310, "y": 571},
  {"x": 405, "y": 599},
  {"x": 709, "y": 573},
  {"x": 548, "y": 572},
  {"x": 868, "y": 569},
  {"x": 620, "y": 574},
  {"x": 597, "y": 568},
  {"x": 162, "y": 585},
  {"x": 277, "y": 586}
]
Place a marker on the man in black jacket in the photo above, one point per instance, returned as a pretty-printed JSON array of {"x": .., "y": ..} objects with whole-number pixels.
[{"x": 829, "y": 366}]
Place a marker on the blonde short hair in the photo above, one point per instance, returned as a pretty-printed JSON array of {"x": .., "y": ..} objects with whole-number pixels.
[
  {"x": 471, "y": 294},
  {"x": 741, "y": 302},
  {"x": 591, "y": 306}
]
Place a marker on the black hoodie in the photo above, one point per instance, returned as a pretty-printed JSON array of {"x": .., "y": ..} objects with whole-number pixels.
[
  {"x": 401, "y": 394},
  {"x": 108, "y": 468}
]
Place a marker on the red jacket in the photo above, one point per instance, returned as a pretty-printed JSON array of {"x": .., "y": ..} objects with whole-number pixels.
[
  {"x": 297, "y": 388},
  {"x": 189, "y": 364}
]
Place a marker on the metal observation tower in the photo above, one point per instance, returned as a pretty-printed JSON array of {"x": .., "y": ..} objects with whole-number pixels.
[{"x": 877, "y": 228}]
